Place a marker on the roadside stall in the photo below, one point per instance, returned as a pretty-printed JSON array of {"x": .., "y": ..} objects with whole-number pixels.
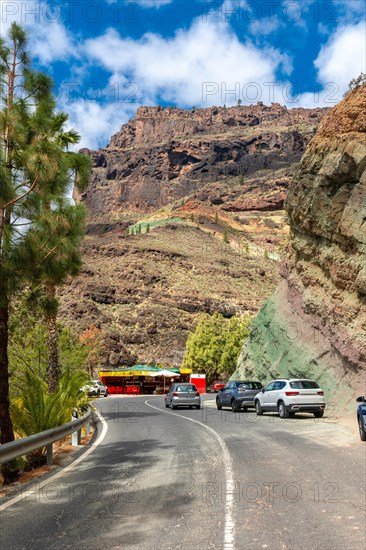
[{"x": 141, "y": 379}]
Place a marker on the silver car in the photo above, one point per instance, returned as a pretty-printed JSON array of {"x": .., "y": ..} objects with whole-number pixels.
[{"x": 183, "y": 395}]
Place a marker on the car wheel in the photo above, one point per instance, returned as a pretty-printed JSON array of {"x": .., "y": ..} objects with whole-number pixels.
[
  {"x": 198, "y": 406},
  {"x": 318, "y": 414},
  {"x": 106, "y": 394},
  {"x": 258, "y": 408},
  {"x": 282, "y": 411},
  {"x": 234, "y": 406},
  {"x": 362, "y": 429},
  {"x": 174, "y": 407},
  {"x": 98, "y": 393},
  {"x": 218, "y": 404}
]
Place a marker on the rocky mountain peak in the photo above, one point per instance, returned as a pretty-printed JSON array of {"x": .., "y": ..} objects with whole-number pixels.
[
  {"x": 168, "y": 154},
  {"x": 152, "y": 125}
]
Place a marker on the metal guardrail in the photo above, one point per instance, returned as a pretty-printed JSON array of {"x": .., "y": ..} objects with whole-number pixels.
[{"x": 14, "y": 449}]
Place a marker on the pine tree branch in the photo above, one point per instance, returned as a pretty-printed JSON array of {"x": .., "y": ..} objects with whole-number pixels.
[{"x": 18, "y": 199}]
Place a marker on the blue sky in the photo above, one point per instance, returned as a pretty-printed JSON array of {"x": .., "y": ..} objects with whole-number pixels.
[{"x": 108, "y": 57}]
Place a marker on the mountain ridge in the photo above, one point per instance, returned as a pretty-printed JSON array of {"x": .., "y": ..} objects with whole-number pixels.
[{"x": 185, "y": 216}]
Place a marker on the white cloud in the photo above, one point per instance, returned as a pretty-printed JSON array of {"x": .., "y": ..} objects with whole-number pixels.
[
  {"x": 95, "y": 122},
  {"x": 265, "y": 26},
  {"x": 148, "y": 4},
  {"x": 176, "y": 69},
  {"x": 343, "y": 57},
  {"x": 49, "y": 39},
  {"x": 351, "y": 9},
  {"x": 51, "y": 43},
  {"x": 151, "y": 4}
]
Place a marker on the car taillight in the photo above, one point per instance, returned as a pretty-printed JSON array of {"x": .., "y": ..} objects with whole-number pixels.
[
  {"x": 320, "y": 392},
  {"x": 292, "y": 393},
  {"x": 175, "y": 394},
  {"x": 197, "y": 394}
]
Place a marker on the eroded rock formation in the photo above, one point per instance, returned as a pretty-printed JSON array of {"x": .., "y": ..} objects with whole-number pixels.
[
  {"x": 163, "y": 155},
  {"x": 315, "y": 323}
]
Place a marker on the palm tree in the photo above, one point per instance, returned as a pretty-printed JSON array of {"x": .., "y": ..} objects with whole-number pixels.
[{"x": 36, "y": 410}]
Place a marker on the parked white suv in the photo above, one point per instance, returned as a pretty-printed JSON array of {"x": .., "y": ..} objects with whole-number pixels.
[
  {"x": 95, "y": 388},
  {"x": 288, "y": 396}
]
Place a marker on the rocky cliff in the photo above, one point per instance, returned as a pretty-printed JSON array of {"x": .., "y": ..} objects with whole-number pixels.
[
  {"x": 163, "y": 155},
  {"x": 314, "y": 325}
]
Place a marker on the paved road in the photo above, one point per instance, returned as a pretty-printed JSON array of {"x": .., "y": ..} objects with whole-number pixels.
[{"x": 203, "y": 479}]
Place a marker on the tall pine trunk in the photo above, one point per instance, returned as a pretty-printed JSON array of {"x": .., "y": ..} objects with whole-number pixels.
[
  {"x": 9, "y": 470},
  {"x": 52, "y": 365}
]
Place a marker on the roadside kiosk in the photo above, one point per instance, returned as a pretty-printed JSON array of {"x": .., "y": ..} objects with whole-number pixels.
[
  {"x": 141, "y": 379},
  {"x": 199, "y": 380}
]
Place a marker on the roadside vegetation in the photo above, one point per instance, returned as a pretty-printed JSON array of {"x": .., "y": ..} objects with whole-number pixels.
[
  {"x": 40, "y": 234},
  {"x": 214, "y": 347}
]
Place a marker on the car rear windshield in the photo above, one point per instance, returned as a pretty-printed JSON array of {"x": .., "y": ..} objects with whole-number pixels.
[
  {"x": 249, "y": 385},
  {"x": 304, "y": 385},
  {"x": 187, "y": 387}
]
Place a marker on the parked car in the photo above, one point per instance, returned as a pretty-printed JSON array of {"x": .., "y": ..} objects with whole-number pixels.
[
  {"x": 361, "y": 416},
  {"x": 217, "y": 385},
  {"x": 288, "y": 396},
  {"x": 181, "y": 395},
  {"x": 96, "y": 388},
  {"x": 238, "y": 394}
]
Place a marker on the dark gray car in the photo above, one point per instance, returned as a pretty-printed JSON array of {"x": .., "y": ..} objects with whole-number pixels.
[
  {"x": 238, "y": 394},
  {"x": 183, "y": 395}
]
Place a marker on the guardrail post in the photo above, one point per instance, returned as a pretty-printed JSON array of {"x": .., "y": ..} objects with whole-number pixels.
[
  {"x": 87, "y": 427},
  {"x": 49, "y": 457},
  {"x": 76, "y": 436}
]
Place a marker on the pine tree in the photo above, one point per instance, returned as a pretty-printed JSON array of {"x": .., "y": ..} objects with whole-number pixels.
[
  {"x": 34, "y": 174},
  {"x": 57, "y": 233},
  {"x": 52, "y": 247},
  {"x": 24, "y": 161}
]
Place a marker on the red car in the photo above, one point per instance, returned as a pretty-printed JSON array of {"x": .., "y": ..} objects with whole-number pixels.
[{"x": 217, "y": 385}]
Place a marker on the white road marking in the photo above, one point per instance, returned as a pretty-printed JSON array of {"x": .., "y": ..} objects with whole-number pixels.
[
  {"x": 230, "y": 485},
  {"x": 64, "y": 470}
]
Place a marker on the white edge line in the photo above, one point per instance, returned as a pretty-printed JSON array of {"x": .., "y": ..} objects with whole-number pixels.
[
  {"x": 229, "y": 490},
  {"x": 65, "y": 469}
]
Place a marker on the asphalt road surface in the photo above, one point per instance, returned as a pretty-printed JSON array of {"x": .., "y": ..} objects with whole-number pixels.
[{"x": 198, "y": 479}]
